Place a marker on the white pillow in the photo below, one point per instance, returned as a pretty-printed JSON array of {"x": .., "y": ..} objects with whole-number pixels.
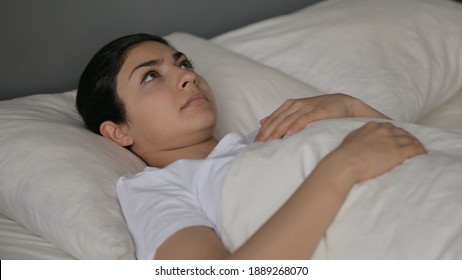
[
  {"x": 58, "y": 179},
  {"x": 245, "y": 90},
  {"x": 402, "y": 57}
]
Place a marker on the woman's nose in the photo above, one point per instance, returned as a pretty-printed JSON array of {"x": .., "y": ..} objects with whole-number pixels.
[{"x": 187, "y": 78}]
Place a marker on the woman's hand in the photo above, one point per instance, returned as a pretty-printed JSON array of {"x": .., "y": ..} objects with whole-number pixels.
[
  {"x": 374, "y": 149},
  {"x": 295, "y": 114}
]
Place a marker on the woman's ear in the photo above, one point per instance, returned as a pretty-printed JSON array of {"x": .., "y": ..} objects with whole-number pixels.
[{"x": 116, "y": 132}]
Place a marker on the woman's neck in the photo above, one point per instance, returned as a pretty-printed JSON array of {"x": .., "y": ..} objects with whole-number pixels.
[{"x": 198, "y": 151}]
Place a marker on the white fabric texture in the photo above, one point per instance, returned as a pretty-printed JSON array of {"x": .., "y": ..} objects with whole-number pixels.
[
  {"x": 158, "y": 202},
  {"x": 402, "y": 57},
  {"x": 411, "y": 212},
  {"x": 448, "y": 115},
  {"x": 58, "y": 179},
  {"x": 18, "y": 243}
]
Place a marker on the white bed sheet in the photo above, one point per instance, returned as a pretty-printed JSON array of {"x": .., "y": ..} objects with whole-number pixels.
[{"x": 395, "y": 216}]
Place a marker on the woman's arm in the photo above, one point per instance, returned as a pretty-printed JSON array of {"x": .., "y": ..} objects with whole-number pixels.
[
  {"x": 295, "y": 114},
  {"x": 294, "y": 231}
]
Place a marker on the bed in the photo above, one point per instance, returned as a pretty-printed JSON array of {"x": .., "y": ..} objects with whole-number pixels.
[{"x": 57, "y": 188}]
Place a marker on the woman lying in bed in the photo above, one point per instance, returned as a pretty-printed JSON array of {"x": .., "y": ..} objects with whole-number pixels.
[{"x": 143, "y": 94}]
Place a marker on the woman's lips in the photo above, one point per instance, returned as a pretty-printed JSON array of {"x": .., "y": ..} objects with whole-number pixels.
[{"x": 194, "y": 100}]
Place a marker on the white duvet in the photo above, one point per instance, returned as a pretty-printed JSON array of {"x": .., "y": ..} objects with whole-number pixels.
[{"x": 412, "y": 212}]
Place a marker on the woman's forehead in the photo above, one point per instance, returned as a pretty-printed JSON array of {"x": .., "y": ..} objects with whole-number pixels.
[{"x": 150, "y": 50}]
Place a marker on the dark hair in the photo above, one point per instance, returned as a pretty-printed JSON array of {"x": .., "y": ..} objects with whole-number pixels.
[{"x": 97, "y": 100}]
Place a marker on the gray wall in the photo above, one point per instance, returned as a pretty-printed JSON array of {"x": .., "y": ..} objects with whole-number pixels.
[{"x": 46, "y": 43}]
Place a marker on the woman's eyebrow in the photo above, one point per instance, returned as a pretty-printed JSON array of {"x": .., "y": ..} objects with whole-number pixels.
[
  {"x": 152, "y": 62},
  {"x": 157, "y": 62},
  {"x": 178, "y": 55}
]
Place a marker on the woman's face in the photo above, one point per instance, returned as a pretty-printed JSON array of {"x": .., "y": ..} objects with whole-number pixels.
[{"x": 168, "y": 105}]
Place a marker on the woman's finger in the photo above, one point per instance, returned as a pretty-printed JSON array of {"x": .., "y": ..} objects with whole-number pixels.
[
  {"x": 275, "y": 128},
  {"x": 275, "y": 125}
]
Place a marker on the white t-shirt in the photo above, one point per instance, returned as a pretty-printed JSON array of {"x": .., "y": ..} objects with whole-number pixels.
[{"x": 158, "y": 202}]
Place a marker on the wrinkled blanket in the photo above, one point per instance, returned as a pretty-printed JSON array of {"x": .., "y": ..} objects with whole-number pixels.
[{"x": 413, "y": 211}]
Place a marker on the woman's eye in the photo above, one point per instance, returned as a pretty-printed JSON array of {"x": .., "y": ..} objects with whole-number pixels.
[
  {"x": 186, "y": 64},
  {"x": 149, "y": 76}
]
